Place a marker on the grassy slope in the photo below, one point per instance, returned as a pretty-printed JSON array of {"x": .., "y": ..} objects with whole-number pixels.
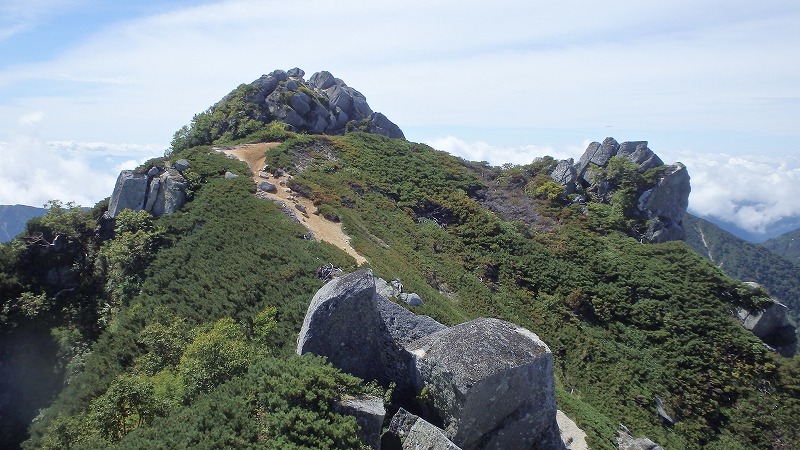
[
  {"x": 745, "y": 261},
  {"x": 626, "y": 321}
]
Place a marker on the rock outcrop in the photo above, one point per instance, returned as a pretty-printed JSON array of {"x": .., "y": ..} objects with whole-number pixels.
[
  {"x": 661, "y": 204},
  {"x": 322, "y": 105},
  {"x": 410, "y": 432},
  {"x": 771, "y": 325},
  {"x": 626, "y": 441},
  {"x": 159, "y": 191},
  {"x": 369, "y": 413},
  {"x": 342, "y": 323},
  {"x": 491, "y": 384},
  {"x": 488, "y": 381}
]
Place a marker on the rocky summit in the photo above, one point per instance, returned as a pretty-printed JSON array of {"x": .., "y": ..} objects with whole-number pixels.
[
  {"x": 662, "y": 199},
  {"x": 322, "y": 105}
]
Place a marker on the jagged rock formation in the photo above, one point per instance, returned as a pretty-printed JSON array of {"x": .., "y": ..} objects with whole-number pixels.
[
  {"x": 660, "y": 205},
  {"x": 322, "y": 105},
  {"x": 488, "y": 381},
  {"x": 159, "y": 191},
  {"x": 771, "y": 325}
]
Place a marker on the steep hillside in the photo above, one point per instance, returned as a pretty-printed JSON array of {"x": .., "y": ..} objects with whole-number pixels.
[
  {"x": 13, "y": 218},
  {"x": 745, "y": 261},
  {"x": 786, "y": 245},
  {"x": 179, "y": 331}
]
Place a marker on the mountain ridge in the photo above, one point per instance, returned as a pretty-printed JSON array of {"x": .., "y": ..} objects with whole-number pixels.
[
  {"x": 182, "y": 328},
  {"x": 13, "y": 219}
]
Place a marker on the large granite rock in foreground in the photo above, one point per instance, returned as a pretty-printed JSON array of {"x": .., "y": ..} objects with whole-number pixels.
[
  {"x": 488, "y": 381},
  {"x": 342, "y": 323},
  {"x": 491, "y": 384},
  {"x": 361, "y": 332}
]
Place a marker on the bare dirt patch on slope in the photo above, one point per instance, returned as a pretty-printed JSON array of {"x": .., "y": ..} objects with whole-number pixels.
[{"x": 322, "y": 229}]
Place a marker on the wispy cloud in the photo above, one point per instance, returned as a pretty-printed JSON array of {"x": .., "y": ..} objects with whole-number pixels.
[
  {"x": 497, "y": 155},
  {"x": 752, "y": 192},
  {"x": 17, "y": 16},
  {"x": 34, "y": 171}
]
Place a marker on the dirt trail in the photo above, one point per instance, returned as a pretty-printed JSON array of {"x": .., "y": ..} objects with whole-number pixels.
[{"x": 323, "y": 229}]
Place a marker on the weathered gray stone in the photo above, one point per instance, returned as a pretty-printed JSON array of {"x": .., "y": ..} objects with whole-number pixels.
[
  {"x": 565, "y": 174},
  {"x": 266, "y": 186},
  {"x": 380, "y": 124},
  {"x": 230, "y": 175},
  {"x": 665, "y": 204},
  {"x": 411, "y": 299},
  {"x": 291, "y": 85},
  {"x": 266, "y": 85},
  {"x": 400, "y": 327},
  {"x": 159, "y": 194},
  {"x": 772, "y": 326},
  {"x": 153, "y": 172},
  {"x": 279, "y": 75},
  {"x": 129, "y": 193},
  {"x": 340, "y": 97},
  {"x": 598, "y": 154},
  {"x": 342, "y": 323},
  {"x": 167, "y": 193},
  {"x": 181, "y": 165},
  {"x": 625, "y": 441},
  {"x": 767, "y": 322},
  {"x": 638, "y": 153},
  {"x": 491, "y": 383},
  {"x": 300, "y": 102},
  {"x": 403, "y": 325},
  {"x": 369, "y": 413},
  {"x": 295, "y": 73},
  {"x": 322, "y": 80},
  {"x": 385, "y": 289},
  {"x": 414, "y": 433}
]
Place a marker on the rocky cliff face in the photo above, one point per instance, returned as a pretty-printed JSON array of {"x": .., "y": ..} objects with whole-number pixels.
[
  {"x": 322, "y": 105},
  {"x": 661, "y": 203}
]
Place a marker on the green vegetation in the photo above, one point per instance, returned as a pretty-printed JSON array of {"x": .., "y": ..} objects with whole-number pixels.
[
  {"x": 786, "y": 245},
  {"x": 180, "y": 331},
  {"x": 745, "y": 261}
]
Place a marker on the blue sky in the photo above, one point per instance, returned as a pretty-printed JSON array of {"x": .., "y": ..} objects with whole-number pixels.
[{"x": 88, "y": 87}]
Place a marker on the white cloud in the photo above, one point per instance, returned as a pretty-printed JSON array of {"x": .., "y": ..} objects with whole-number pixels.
[
  {"x": 664, "y": 65},
  {"x": 34, "y": 171},
  {"x": 751, "y": 192},
  {"x": 31, "y": 118},
  {"x": 497, "y": 155}
]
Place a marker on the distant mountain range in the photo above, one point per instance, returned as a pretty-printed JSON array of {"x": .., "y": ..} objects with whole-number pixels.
[
  {"x": 13, "y": 219},
  {"x": 771, "y": 264}
]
